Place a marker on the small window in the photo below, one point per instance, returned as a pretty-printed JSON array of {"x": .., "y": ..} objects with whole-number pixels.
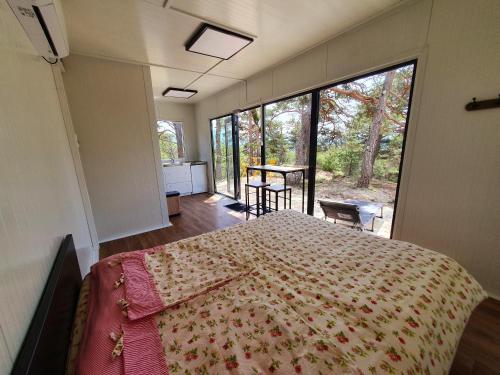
[{"x": 171, "y": 137}]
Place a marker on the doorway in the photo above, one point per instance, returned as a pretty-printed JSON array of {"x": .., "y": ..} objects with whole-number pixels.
[
  {"x": 224, "y": 156},
  {"x": 350, "y": 135},
  {"x": 362, "y": 127}
]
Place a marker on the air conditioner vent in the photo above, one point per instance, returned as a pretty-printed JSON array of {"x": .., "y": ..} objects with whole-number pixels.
[{"x": 43, "y": 22}]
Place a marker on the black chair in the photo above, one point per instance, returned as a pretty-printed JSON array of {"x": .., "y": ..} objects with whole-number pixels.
[
  {"x": 277, "y": 189},
  {"x": 347, "y": 212},
  {"x": 257, "y": 185}
]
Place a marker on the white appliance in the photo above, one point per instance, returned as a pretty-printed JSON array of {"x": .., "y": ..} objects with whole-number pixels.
[
  {"x": 199, "y": 178},
  {"x": 43, "y": 21},
  {"x": 178, "y": 178}
]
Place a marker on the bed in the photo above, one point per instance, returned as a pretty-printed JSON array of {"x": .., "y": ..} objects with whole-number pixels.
[{"x": 286, "y": 293}]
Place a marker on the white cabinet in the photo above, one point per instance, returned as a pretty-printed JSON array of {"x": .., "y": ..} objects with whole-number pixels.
[
  {"x": 199, "y": 178},
  {"x": 182, "y": 187},
  {"x": 178, "y": 177},
  {"x": 186, "y": 178}
]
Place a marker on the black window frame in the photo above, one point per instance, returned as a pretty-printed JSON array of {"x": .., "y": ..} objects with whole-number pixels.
[
  {"x": 315, "y": 101},
  {"x": 235, "y": 152}
]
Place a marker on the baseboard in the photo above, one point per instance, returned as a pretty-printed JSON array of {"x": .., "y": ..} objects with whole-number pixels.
[
  {"x": 493, "y": 295},
  {"x": 86, "y": 258},
  {"x": 133, "y": 233},
  {"x": 95, "y": 254}
]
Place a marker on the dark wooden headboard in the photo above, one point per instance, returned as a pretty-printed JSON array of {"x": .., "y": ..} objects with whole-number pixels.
[{"x": 45, "y": 347}]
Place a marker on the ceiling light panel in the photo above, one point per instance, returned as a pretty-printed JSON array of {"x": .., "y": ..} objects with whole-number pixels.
[
  {"x": 213, "y": 41},
  {"x": 173, "y": 92}
]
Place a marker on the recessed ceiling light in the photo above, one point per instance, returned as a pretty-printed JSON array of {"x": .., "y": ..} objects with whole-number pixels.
[
  {"x": 173, "y": 92},
  {"x": 216, "y": 42}
]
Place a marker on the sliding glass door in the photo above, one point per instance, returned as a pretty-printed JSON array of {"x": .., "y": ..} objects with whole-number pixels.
[
  {"x": 223, "y": 156},
  {"x": 361, "y": 134},
  {"x": 287, "y": 129},
  {"x": 350, "y": 136}
]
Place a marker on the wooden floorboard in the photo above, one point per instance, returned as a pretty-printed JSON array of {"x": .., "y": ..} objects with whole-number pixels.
[
  {"x": 201, "y": 213},
  {"x": 479, "y": 349}
]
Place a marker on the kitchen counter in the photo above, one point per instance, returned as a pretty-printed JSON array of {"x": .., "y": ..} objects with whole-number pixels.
[{"x": 195, "y": 162}]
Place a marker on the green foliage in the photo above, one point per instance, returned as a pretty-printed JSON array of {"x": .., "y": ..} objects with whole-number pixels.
[
  {"x": 287, "y": 122},
  {"x": 329, "y": 161},
  {"x": 386, "y": 166},
  {"x": 346, "y": 116},
  {"x": 169, "y": 136},
  {"x": 341, "y": 161}
]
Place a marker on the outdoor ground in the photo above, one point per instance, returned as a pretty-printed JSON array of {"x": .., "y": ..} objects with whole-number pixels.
[{"x": 340, "y": 189}]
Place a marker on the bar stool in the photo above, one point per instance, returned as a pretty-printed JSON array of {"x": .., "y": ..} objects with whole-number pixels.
[
  {"x": 257, "y": 185},
  {"x": 276, "y": 189}
]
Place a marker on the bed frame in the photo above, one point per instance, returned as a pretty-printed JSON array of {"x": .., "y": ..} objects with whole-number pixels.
[{"x": 45, "y": 347}]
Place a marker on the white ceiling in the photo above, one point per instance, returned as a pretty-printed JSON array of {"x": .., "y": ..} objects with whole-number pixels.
[{"x": 143, "y": 31}]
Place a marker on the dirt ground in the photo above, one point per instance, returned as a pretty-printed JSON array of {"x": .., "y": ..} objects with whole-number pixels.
[{"x": 340, "y": 189}]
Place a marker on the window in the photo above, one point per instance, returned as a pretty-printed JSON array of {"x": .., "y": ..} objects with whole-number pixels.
[
  {"x": 361, "y": 132},
  {"x": 287, "y": 129},
  {"x": 250, "y": 139},
  {"x": 222, "y": 155},
  {"x": 171, "y": 137},
  {"x": 350, "y": 135}
]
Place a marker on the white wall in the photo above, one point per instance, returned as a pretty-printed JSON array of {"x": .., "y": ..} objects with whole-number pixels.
[
  {"x": 396, "y": 36},
  {"x": 449, "y": 197},
  {"x": 453, "y": 200},
  {"x": 185, "y": 114},
  {"x": 40, "y": 200},
  {"x": 112, "y": 108}
]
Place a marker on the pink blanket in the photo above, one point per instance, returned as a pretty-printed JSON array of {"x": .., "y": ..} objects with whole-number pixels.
[{"x": 143, "y": 353}]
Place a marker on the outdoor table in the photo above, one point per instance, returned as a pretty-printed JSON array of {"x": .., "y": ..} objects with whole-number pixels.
[{"x": 281, "y": 170}]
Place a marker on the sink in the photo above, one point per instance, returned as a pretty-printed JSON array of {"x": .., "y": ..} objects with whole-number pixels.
[
  {"x": 179, "y": 163},
  {"x": 175, "y": 164}
]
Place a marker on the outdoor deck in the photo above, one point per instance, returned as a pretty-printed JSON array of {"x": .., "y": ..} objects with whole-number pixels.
[{"x": 336, "y": 191}]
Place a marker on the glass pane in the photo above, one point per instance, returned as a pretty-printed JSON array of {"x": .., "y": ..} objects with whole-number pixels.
[
  {"x": 223, "y": 155},
  {"x": 360, "y": 137},
  {"x": 171, "y": 138},
  {"x": 249, "y": 139},
  {"x": 229, "y": 155},
  {"x": 288, "y": 128}
]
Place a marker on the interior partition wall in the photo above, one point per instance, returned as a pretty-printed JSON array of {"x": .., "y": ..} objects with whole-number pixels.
[{"x": 294, "y": 131}]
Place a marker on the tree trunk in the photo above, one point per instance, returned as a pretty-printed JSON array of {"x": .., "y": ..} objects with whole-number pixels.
[
  {"x": 302, "y": 142},
  {"x": 218, "y": 151},
  {"x": 371, "y": 145},
  {"x": 303, "y": 134},
  {"x": 179, "y": 139},
  {"x": 254, "y": 114},
  {"x": 377, "y": 148}
]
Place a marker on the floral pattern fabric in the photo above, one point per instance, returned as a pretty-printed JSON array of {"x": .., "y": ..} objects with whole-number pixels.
[
  {"x": 320, "y": 299},
  {"x": 291, "y": 294}
]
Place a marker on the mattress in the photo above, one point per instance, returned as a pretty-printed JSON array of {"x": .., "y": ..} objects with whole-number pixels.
[
  {"x": 79, "y": 322},
  {"x": 286, "y": 293}
]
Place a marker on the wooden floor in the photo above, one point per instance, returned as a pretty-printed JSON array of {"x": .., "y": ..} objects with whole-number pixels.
[
  {"x": 479, "y": 349},
  {"x": 201, "y": 213}
]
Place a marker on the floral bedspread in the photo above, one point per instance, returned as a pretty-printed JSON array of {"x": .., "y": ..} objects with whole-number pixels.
[{"x": 289, "y": 293}]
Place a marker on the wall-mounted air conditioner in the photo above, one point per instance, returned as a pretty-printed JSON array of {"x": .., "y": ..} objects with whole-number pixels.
[{"x": 43, "y": 21}]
